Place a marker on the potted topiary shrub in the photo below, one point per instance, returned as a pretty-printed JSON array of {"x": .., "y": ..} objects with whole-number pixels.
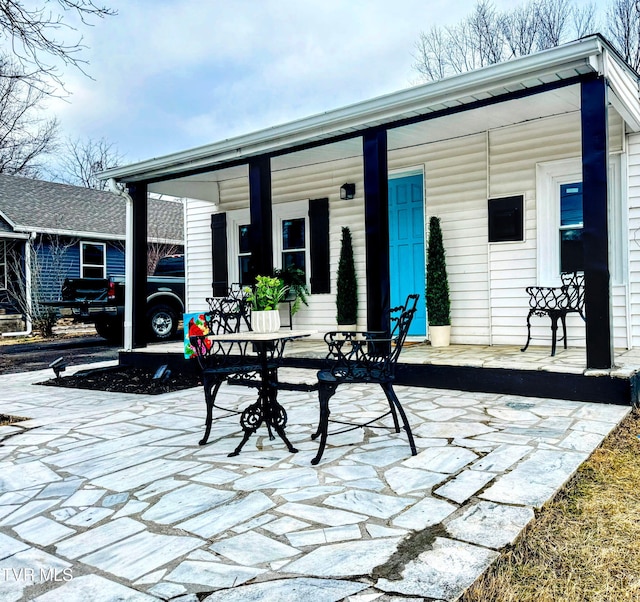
[
  {"x": 263, "y": 299},
  {"x": 437, "y": 293},
  {"x": 347, "y": 286}
]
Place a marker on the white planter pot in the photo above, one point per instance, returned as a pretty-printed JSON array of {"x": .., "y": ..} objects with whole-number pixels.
[
  {"x": 265, "y": 321},
  {"x": 439, "y": 335},
  {"x": 347, "y": 327}
]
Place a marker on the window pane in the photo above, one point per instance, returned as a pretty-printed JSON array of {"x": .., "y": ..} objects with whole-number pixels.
[
  {"x": 293, "y": 234},
  {"x": 294, "y": 259},
  {"x": 243, "y": 269},
  {"x": 92, "y": 254},
  {"x": 92, "y": 272},
  {"x": 571, "y": 253},
  {"x": 243, "y": 238},
  {"x": 571, "y": 204}
]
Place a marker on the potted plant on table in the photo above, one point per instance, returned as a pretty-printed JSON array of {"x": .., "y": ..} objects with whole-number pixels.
[
  {"x": 263, "y": 299},
  {"x": 347, "y": 293},
  {"x": 437, "y": 292}
]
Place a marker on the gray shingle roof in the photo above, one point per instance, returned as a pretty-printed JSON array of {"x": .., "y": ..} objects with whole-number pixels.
[{"x": 37, "y": 206}]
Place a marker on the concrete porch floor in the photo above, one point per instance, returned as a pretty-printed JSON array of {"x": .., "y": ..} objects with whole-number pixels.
[{"x": 106, "y": 496}]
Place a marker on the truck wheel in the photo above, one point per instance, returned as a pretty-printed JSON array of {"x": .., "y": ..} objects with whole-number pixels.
[
  {"x": 112, "y": 330},
  {"x": 162, "y": 321}
]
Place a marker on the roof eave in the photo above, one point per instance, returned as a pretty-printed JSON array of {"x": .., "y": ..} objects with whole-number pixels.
[{"x": 369, "y": 113}]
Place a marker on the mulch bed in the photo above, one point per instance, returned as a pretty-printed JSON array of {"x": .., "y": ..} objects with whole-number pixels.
[{"x": 126, "y": 379}]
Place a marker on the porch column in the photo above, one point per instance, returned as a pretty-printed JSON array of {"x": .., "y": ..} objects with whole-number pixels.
[
  {"x": 595, "y": 164},
  {"x": 376, "y": 219},
  {"x": 138, "y": 193},
  {"x": 260, "y": 234}
]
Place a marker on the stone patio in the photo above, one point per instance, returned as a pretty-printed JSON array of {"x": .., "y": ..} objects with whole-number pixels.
[{"x": 105, "y": 496}]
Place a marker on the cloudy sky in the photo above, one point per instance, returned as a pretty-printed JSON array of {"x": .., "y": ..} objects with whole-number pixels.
[{"x": 174, "y": 74}]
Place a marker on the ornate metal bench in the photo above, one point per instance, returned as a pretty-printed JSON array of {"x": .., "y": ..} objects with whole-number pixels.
[
  {"x": 365, "y": 357},
  {"x": 556, "y": 302}
]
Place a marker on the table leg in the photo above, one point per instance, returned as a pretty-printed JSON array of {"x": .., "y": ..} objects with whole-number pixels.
[
  {"x": 266, "y": 409},
  {"x": 250, "y": 421}
]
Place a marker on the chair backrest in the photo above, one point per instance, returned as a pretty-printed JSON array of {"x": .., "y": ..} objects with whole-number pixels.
[
  {"x": 400, "y": 319},
  {"x": 371, "y": 356},
  {"x": 573, "y": 289},
  {"x": 226, "y": 314}
]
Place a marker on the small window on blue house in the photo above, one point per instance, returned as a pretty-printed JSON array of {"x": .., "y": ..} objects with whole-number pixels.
[
  {"x": 244, "y": 255},
  {"x": 571, "y": 228},
  {"x": 93, "y": 260},
  {"x": 506, "y": 216}
]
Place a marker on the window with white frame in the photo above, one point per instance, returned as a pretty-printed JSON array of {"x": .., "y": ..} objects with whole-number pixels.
[
  {"x": 291, "y": 236},
  {"x": 560, "y": 220},
  {"x": 290, "y": 240},
  {"x": 238, "y": 248},
  {"x": 93, "y": 260},
  {"x": 3, "y": 264},
  {"x": 571, "y": 227}
]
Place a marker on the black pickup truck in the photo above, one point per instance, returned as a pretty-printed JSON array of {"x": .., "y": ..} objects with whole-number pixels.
[{"x": 101, "y": 301}]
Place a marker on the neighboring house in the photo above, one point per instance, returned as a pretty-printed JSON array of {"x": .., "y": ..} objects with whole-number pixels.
[
  {"x": 533, "y": 166},
  {"x": 72, "y": 231}
]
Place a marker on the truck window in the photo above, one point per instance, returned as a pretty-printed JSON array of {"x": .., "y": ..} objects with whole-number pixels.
[{"x": 170, "y": 266}]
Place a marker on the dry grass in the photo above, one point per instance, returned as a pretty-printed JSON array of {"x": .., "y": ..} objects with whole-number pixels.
[{"x": 584, "y": 545}]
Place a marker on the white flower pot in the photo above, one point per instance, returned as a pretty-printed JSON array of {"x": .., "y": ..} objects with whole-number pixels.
[
  {"x": 265, "y": 321},
  {"x": 440, "y": 335}
]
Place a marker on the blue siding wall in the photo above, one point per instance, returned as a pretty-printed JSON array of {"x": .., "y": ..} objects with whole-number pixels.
[
  {"x": 54, "y": 269},
  {"x": 115, "y": 258}
]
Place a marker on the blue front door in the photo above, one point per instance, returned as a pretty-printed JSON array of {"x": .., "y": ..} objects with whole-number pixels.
[{"x": 406, "y": 246}]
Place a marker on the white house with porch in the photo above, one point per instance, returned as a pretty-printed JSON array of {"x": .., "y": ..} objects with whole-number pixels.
[{"x": 532, "y": 165}]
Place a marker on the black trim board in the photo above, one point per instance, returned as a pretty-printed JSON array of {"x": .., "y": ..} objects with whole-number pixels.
[{"x": 526, "y": 383}]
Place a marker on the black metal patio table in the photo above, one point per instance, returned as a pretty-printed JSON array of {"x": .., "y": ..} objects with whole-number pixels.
[{"x": 224, "y": 355}]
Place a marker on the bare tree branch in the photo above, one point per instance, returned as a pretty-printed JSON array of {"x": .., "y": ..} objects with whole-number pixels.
[
  {"x": 36, "y": 36},
  {"x": 584, "y": 19},
  {"x": 81, "y": 160},
  {"x": 623, "y": 18},
  {"x": 486, "y": 36},
  {"x": 48, "y": 266},
  {"x": 24, "y": 135}
]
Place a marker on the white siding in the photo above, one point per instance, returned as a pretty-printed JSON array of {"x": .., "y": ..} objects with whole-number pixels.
[
  {"x": 455, "y": 187},
  {"x": 198, "y": 253},
  {"x": 487, "y": 281},
  {"x": 323, "y": 180},
  {"x": 514, "y": 153},
  {"x": 633, "y": 167}
]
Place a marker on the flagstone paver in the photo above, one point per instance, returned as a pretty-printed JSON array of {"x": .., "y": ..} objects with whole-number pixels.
[{"x": 109, "y": 497}]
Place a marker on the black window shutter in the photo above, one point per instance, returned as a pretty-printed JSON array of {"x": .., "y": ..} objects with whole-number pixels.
[
  {"x": 220, "y": 284},
  {"x": 319, "y": 245}
]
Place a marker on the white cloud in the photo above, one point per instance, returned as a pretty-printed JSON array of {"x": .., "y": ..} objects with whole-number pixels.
[{"x": 171, "y": 74}]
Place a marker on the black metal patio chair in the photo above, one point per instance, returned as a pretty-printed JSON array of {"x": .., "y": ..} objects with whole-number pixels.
[{"x": 365, "y": 357}]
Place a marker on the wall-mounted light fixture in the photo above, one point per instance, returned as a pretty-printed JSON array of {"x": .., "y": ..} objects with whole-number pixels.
[{"x": 347, "y": 191}]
